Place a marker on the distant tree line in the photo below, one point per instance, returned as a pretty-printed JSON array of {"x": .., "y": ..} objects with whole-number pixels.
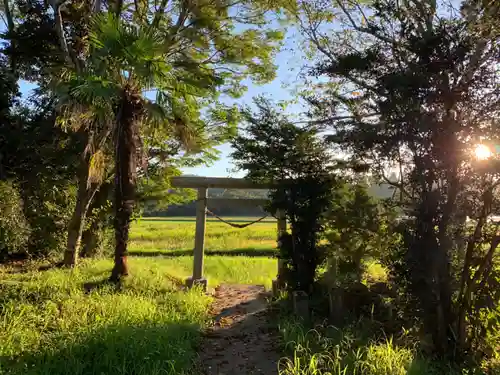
[
  {"x": 227, "y": 209},
  {"x": 219, "y": 208}
]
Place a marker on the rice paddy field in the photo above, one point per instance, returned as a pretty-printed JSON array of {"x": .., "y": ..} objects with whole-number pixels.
[
  {"x": 175, "y": 236},
  {"x": 61, "y": 321}
]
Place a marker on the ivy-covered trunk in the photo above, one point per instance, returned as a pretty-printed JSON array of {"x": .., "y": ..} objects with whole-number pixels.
[
  {"x": 92, "y": 236},
  {"x": 77, "y": 222},
  {"x": 75, "y": 227},
  {"x": 127, "y": 118}
]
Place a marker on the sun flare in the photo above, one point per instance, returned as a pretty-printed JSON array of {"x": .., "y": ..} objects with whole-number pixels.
[{"x": 482, "y": 152}]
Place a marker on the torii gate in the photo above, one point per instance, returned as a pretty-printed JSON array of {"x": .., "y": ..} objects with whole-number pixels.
[{"x": 202, "y": 184}]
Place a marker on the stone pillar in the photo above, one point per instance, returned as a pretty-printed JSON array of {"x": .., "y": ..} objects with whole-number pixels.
[{"x": 199, "y": 241}]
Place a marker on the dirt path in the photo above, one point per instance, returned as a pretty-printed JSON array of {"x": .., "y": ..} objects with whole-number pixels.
[{"x": 241, "y": 341}]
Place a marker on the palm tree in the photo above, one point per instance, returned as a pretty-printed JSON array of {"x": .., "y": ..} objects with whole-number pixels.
[
  {"x": 108, "y": 97},
  {"x": 187, "y": 53}
]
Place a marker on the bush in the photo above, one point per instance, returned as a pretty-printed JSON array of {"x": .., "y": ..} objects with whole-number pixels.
[
  {"x": 14, "y": 229},
  {"x": 48, "y": 210},
  {"x": 98, "y": 236},
  {"x": 358, "y": 231},
  {"x": 98, "y": 241}
]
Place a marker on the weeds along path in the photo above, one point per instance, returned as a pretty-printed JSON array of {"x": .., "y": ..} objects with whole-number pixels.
[{"x": 241, "y": 340}]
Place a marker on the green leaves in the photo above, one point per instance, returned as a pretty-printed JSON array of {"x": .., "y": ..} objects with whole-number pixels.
[
  {"x": 155, "y": 190},
  {"x": 91, "y": 88},
  {"x": 417, "y": 90},
  {"x": 14, "y": 228},
  {"x": 273, "y": 150},
  {"x": 105, "y": 33},
  {"x": 191, "y": 55}
]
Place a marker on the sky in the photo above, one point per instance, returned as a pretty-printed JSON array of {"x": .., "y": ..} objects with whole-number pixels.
[{"x": 288, "y": 61}]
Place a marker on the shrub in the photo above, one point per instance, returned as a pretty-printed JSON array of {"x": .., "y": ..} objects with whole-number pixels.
[
  {"x": 386, "y": 358},
  {"x": 357, "y": 230},
  {"x": 48, "y": 210},
  {"x": 14, "y": 229},
  {"x": 98, "y": 236}
]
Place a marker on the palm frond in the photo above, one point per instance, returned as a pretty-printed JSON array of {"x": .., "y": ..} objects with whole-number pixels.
[
  {"x": 171, "y": 117},
  {"x": 156, "y": 113},
  {"x": 106, "y": 35},
  {"x": 133, "y": 50},
  {"x": 91, "y": 88}
]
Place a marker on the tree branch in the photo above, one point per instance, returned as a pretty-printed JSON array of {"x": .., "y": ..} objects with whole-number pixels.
[
  {"x": 97, "y": 6},
  {"x": 396, "y": 185},
  {"x": 337, "y": 118},
  {"x": 118, "y": 10},
  {"x": 8, "y": 15},
  {"x": 364, "y": 29},
  {"x": 56, "y": 7},
  {"x": 482, "y": 271},
  {"x": 159, "y": 13},
  {"x": 184, "y": 11},
  {"x": 474, "y": 63},
  {"x": 314, "y": 38}
]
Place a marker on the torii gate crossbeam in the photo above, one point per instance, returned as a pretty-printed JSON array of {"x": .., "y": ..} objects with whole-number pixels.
[{"x": 202, "y": 184}]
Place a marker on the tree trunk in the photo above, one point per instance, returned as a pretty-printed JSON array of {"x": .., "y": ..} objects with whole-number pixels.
[
  {"x": 75, "y": 229},
  {"x": 125, "y": 179},
  {"x": 358, "y": 262},
  {"x": 464, "y": 295},
  {"x": 90, "y": 240},
  {"x": 429, "y": 276},
  {"x": 90, "y": 237},
  {"x": 77, "y": 222},
  {"x": 8, "y": 15}
]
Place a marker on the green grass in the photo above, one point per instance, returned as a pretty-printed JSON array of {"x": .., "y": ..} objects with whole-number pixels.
[
  {"x": 50, "y": 323},
  {"x": 175, "y": 236},
  {"x": 225, "y": 269},
  {"x": 330, "y": 351},
  {"x": 68, "y": 322},
  {"x": 233, "y": 219}
]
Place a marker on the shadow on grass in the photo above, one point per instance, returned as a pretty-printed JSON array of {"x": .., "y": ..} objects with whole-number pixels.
[
  {"x": 152, "y": 349},
  {"x": 247, "y": 252},
  {"x": 24, "y": 266},
  {"x": 104, "y": 284},
  {"x": 51, "y": 266},
  {"x": 149, "y": 349}
]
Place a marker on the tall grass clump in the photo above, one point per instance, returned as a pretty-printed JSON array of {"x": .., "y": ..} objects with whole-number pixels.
[{"x": 348, "y": 351}]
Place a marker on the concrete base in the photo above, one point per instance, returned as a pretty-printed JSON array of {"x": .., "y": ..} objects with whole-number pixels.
[
  {"x": 300, "y": 302},
  {"x": 203, "y": 283}
]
